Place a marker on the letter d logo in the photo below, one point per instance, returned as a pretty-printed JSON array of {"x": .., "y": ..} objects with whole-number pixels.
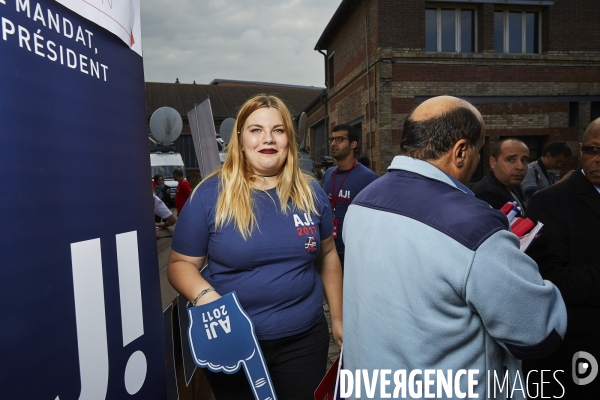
[{"x": 583, "y": 367}]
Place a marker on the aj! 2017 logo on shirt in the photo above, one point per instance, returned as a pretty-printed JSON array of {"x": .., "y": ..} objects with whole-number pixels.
[{"x": 306, "y": 227}]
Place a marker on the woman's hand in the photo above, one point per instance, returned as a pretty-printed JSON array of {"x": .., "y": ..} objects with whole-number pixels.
[
  {"x": 208, "y": 298},
  {"x": 184, "y": 275},
  {"x": 328, "y": 264},
  {"x": 336, "y": 331}
]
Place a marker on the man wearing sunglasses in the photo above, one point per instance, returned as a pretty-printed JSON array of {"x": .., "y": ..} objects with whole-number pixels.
[
  {"x": 344, "y": 182},
  {"x": 567, "y": 254}
]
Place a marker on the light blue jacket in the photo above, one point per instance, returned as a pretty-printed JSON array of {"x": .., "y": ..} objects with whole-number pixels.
[{"x": 433, "y": 280}]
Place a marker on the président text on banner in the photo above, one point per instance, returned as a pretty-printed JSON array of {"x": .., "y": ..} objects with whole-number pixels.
[{"x": 47, "y": 24}]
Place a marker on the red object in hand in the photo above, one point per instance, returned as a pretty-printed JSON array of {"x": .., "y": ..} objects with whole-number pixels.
[
  {"x": 517, "y": 222},
  {"x": 521, "y": 227},
  {"x": 507, "y": 208}
]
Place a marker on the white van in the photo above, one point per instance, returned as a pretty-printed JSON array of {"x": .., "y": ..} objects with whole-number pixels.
[{"x": 164, "y": 162}]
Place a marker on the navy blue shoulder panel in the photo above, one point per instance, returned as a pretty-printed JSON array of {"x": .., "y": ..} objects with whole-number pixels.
[{"x": 464, "y": 218}]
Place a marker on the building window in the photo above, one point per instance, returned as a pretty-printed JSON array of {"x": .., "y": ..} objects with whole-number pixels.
[
  {"x": 330, "y": 71},
  {"x": 450, "y": 30},
  {"x": 573, "y": 114},
  {"x": 516, "y": 32},
  {"x": 594, "y": 110}
]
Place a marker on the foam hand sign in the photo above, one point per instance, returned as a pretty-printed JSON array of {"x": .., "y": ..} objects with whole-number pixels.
[{"x": 222, "y": 339}]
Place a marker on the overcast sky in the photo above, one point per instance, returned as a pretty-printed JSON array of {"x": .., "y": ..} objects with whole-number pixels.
[{"x": 250, "y": 40}]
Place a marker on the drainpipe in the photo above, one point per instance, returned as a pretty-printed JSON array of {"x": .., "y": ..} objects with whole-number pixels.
[
  {"x": 368, "y": 83},
  {"x": 326, "y": 96}
]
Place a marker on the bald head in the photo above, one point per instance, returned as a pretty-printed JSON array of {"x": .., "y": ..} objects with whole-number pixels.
[
  {"x": 437, "y": 124},
  {"x": 592, "y": 129},
  {"x": 437, "y": 106},
  {"x": 590, "y": 155}
]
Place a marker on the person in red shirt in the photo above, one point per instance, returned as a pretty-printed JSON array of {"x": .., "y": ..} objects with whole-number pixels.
[{"x": 183, "y": 189}]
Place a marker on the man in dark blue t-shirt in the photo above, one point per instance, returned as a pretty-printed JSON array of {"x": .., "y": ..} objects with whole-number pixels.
[{"x": 344, "y": 182}]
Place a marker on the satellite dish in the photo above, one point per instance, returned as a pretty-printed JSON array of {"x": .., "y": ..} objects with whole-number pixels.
[
  {"x": 166, "y": 125},
  {"x": 303, "y": 130},
  {"x": 226, "y": 129}
]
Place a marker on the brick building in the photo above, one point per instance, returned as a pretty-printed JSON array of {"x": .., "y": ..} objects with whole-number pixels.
[{"x": 531, "y": 67}]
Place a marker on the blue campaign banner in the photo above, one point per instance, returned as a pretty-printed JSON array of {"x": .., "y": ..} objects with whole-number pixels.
[
  {"x": 222, "y": 339},
  {"x": 79, "y": 288}
]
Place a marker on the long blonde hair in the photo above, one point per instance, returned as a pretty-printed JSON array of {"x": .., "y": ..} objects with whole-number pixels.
[{"x": 236, "y": 200}]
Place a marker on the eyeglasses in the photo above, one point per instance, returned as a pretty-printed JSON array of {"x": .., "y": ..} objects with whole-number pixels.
[
  {"x": 590, "y": 150},
  {"x": 338, "y": 139}
]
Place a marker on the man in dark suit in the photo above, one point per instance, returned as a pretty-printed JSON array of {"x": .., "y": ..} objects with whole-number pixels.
[
  {"x": 508, "y": 166},
  {"x": 567, "y": 253}
]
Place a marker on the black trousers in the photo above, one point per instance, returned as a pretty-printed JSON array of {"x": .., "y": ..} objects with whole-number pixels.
[{"x": 296, "y": 364}]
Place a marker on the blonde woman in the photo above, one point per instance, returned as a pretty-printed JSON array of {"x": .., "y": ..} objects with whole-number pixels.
[{"x": 267, "y": 229}]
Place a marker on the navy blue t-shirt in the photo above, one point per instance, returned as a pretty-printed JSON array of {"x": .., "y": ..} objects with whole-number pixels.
[
  {"x": 358, "y": 178},
  {"x": 272, "y": 271}
]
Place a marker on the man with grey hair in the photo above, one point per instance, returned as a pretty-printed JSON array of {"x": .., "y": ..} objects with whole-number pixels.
[{"x": 434, "y": 280}]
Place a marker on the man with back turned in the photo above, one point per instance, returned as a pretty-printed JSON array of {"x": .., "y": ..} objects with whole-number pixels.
[{"x": 434, "y": 280}]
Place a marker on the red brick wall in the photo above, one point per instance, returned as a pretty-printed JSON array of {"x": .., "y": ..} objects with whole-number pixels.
[
  {"x": 348, "y": 46},
  {"x": 402, "y": 105},
  {"x": 523, "y": 108},
  {"x": 485, "y": 37},
  {"x": 402, "y": 24},
  {"x": 315, "y": 116},
  {"x": 494, "y": 73},
  {"x": 348, "y": 98},
  {"x": 573, "y": 26}
]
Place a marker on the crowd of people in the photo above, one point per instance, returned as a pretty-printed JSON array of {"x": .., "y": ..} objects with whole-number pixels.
[
  {"x": 432, "y": 277},
  {"x": 163, "y": 201}
]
